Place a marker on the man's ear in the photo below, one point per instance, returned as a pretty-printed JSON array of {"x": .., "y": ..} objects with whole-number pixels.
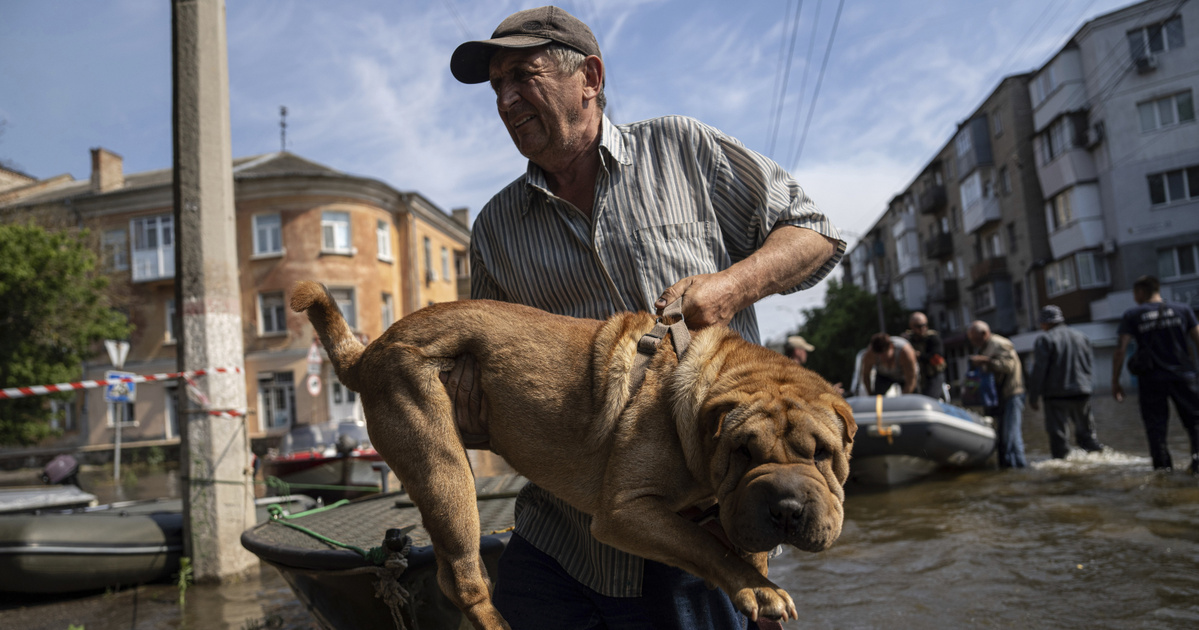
[{"x": 593, "y": 77}]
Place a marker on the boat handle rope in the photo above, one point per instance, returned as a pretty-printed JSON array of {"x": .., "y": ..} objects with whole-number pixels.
[
  {"x": 878, "y": 413},
  {"x": 374, "y": 555}
]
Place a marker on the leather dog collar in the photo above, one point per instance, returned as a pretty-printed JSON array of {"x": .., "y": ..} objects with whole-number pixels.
[{"x": 670, "y": 321}]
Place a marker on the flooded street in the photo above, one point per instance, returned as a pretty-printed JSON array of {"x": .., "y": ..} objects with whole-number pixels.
[{"x": 1096, "y": 541}]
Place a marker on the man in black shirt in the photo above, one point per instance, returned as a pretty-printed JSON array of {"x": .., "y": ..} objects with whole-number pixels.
[{"x": 930, "y": 356}]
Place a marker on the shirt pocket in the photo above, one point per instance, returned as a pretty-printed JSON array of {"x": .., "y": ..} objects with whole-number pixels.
[{"x": 669, "y": 253}]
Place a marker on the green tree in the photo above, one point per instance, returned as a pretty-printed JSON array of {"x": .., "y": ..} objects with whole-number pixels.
[
  {"x": 53, "y": 312},
  {"x": 843, "y": 326}
]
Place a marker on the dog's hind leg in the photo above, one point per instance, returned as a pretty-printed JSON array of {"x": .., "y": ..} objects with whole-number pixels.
[{"x": 420, "y": 443}]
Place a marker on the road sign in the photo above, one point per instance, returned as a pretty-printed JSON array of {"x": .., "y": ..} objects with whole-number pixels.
[
  {"x": 314, "y": 384},
  {"x": 120, "y": 391},
  {"x": 117, "y": 351},
  {"x": 314, "y": 360}
]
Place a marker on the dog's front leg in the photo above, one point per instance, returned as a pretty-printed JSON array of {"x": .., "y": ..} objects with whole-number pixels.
[{"x": 644, "y": 526}]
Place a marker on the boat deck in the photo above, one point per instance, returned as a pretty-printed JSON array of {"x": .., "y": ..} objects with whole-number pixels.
[{"x": 364, "y": 523}]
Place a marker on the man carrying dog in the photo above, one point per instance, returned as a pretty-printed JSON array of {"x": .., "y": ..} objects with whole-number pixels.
[
  {"x": 995, "y": 354},
  {"x": 606, "y": 219}
]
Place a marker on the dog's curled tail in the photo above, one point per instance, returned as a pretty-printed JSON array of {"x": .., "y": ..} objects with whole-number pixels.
[{"x": 340, "y": 343}]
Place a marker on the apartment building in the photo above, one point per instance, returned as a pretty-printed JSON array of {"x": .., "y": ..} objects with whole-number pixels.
[
  {"x": 1117, "y": 155},
  {"x": 966, "y": 237},
  {"x": 382, "y": 253},
  {"x": 1063, "y": 187}
]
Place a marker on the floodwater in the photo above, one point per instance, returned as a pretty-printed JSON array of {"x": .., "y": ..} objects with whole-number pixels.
[{"x": 1095, "y": 541}]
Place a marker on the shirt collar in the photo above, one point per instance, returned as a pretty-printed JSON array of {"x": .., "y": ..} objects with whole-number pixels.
[{"x": 612, "y": 147}]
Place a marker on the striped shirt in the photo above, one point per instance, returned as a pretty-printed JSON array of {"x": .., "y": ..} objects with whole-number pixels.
[{"x": 674, "y": 198}]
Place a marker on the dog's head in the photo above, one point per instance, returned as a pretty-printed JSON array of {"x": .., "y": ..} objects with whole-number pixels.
[{"x": 775, "y": 445}]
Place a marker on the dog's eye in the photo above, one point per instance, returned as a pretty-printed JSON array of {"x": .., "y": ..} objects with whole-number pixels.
[
  {"x": 821, "y": 453},
  {"x": 744, "y": 452}
]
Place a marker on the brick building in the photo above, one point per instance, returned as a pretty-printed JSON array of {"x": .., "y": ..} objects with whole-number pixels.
[{"x": 382, "y": 252}]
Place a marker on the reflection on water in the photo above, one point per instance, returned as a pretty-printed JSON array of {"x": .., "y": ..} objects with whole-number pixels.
[{"x": 1095, "y": 541}]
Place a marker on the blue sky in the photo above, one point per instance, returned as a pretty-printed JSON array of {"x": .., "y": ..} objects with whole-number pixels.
[{"x": 369, "y": 92}]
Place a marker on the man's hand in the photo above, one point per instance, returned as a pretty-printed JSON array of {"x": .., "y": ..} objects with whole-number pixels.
[
  {"x": 980, "y": 359},
  {"x": 710, "y": 299},
  {"x": 465, "y": 388},
  {"x": 1117, "y": 391}
]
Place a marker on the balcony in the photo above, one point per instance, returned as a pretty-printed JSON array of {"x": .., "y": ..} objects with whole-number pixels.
[
  {"x": 981, "y": 213},
  {"x": 988, "y": 269},
  {"x": 933, "y": 199},
  {"x": 903, "y": 223},
  {"x": 939, "y": 246},
  {"x": 946, "y": 292}
]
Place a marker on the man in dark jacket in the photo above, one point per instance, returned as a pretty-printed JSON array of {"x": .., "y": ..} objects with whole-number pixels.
[
  {"x": 930, "y": 356},
  {"x": 1061, "y": 374},
  {"x": 1161, "y": 330}
]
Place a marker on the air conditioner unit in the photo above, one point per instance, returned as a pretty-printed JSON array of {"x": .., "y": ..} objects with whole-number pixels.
[{"x": 1146, "y": 64}]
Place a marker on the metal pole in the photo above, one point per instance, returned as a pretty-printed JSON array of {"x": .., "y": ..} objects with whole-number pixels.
[{"x": 116, "y": 456}]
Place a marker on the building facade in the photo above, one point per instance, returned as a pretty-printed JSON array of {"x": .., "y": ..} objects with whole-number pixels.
[
  {"x": 1062, "y": 188},
  {"x": 382, "y": 253}
]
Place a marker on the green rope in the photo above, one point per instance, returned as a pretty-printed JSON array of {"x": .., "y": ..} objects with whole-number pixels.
[{"x": 374, "y": 555}]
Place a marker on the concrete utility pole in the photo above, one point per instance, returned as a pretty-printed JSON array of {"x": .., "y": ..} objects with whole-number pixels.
[{"x": 215, "y": 450}]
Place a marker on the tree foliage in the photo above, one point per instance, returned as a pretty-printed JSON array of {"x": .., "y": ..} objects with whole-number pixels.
[
  {"x": 843, "y": 326},
  {"x": 53, "y": 312}
]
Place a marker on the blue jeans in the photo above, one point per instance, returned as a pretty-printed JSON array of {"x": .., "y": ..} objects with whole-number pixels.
[
  {"x": 1009, "y": 442},
  {"x": 534, "y": 592}
]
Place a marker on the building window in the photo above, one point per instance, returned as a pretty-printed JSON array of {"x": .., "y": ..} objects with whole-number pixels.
[
  {"x": 1005, "y": 180},
  {"x": 430, "y": 273},
  {"x": 1167, "y": 111},
  {"x": 172, "y": 405},
  {"x": 984, "y": 298},
  {"x": 445, "y": 265},
  {"x": 345, "y": 302},
  {"x": 153, "y": 247},
  {"x": 1043, "y": 85},
  {"x": 335, "y": 233},
  {"x": 996, "y": 124},
  {"x": 122, "y": 411},
  {"x": 1064, "y": 134},
  {"x": 389, "y": 310},
  {"x": 1156, "y": 38},
  {"x": 268, "y": 234},
  {"x": 1011, "y": 238},
  {"x": 963, "y": 143},
  {"x": 1059, "y": 277},
  {"x": 276, "y": 399},
  {"x": 460, "y": 267},
  {"x": 1177, "y": 262},
  {"x": 1173, "y": 186},
  {"x": 994, "y": 245},
  {"x": 115, "y": 248},
  {"x": 1092, "y": 270},
  {"x": 972, "y": 191},
  {"x": 169, "y": 336},
  {"x": 1059, "y": 211},
  {"x": 383, "y": 240},
  {"x": 271, "y": 314}
]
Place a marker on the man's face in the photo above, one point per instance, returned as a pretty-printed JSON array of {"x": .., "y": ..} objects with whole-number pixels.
[
  {"x": 540, "y": 106},
  {"x": 919, "y": 325},
  {"x": 977, "y": 338}
]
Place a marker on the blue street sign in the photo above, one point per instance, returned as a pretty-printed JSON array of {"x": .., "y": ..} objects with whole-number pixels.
[{"x": 120, "y": 392}]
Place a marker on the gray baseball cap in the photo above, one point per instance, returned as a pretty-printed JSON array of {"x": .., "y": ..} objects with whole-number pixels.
[{"x": 471, "y": 62}]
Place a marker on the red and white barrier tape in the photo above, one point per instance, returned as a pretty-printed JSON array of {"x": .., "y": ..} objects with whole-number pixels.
[{"x": 37, "y": 390}]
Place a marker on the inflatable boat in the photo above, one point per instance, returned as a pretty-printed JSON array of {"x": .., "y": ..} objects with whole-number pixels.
[{"x": 903, "y": 438}]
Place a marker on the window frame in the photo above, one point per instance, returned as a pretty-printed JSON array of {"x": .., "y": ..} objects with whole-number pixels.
[
  {"x": 1188, "y": 179},
  {"x": 1155, "y": 106},
  {"x": 155, "y": 261},
  {"x": 116, "y": 254},
  {"x": 383, "y": 240},
  {"x": 270, "y": 386},
  {"x": 276, "y": 315},
  {"x": 169, "y": 331},
  {"x": 1060, "y": 277},
  {"x": 350, "y": 312},
  {"x": 1097, "y": 264},
  {"x": 332, "y": 220},
  {"x": 273, "y": 247}
]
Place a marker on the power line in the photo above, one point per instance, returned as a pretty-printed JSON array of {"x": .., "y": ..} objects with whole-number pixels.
[
  {"x": 804, "y": 83},
  {"x": 449, "y": 5},
  {"x": 819, "y": 80},
  {"x": 778, "y": 115},
  {"x": 778, "y": 73}
]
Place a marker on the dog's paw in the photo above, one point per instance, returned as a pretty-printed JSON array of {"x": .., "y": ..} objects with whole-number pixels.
[{"x": 770, "y": 602}]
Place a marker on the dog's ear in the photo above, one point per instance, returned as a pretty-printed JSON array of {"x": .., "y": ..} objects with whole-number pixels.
[
  {"x": 714, "y": 418},
  {"x": 845, "y": 413}
]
